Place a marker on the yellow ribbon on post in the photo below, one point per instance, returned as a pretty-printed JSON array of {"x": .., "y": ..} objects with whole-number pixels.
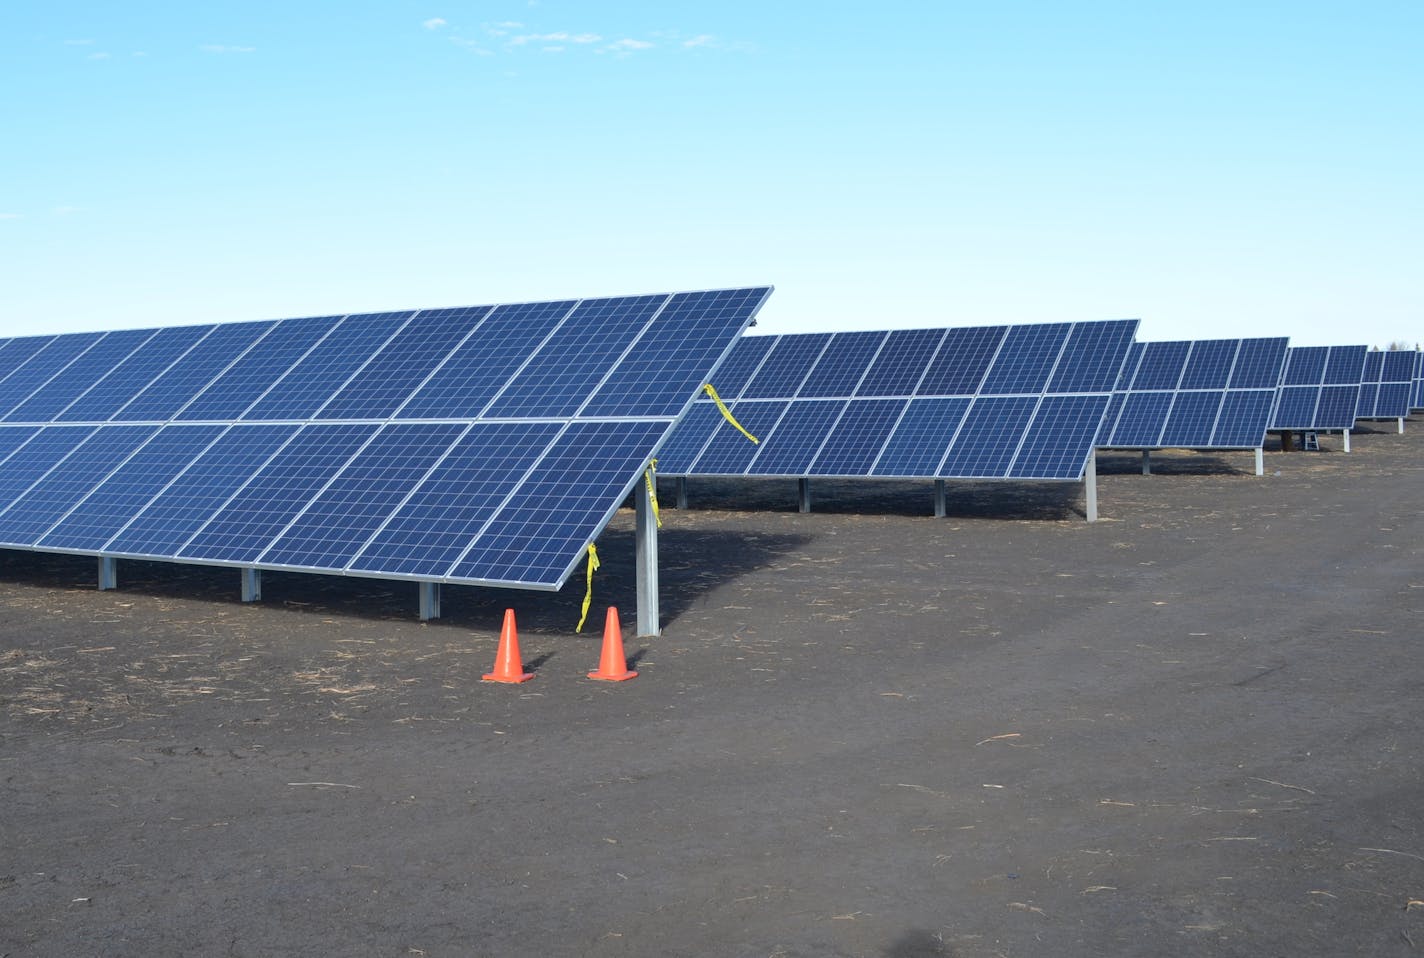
[
  {"x": 588, "y": 595},
  {"x": 727, "y": 413},
  {"x": 653, "y": 490}
]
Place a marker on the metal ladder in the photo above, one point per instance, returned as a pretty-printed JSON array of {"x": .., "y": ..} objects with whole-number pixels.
[{"x": 1309, "y": 442}]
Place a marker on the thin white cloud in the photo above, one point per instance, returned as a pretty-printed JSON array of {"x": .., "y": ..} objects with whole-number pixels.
[
  {"x": 703, "y": 40},
  {"x": 434, "y": 23},
  {"x": 10, "y": 216},
  {"x": 627, "y": 45},
  {"x": 67, "y": 210},
  {"x": 222, "y": 48},
  {"x": 474, "y": 46},
  {"x": 98, "y": 56},
  {"x": 559, "y": 37}
]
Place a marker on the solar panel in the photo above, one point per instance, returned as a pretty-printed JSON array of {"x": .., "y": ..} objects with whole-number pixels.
[
  {"x": 992, "y": 402},
  {"x": 1416, "y": 396},
  {"x": 1387, "y": 384},
  {"x": 485, "y": 445},
  {"x": 1198, "y": 394},
  {"x": 1320, "y": 388}
]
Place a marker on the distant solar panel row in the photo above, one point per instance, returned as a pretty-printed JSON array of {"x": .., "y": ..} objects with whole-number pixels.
[
  {"x": 1416, "y": 400},
  {"x": 1202, "y": 394},
  {"x": 1320, "y": 388},
  {"x": 1387, "y": 384},
  {"x": 994, "y": 402},
  {"x": 484, "y": 444}
]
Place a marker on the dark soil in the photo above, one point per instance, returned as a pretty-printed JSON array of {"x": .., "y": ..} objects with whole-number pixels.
[{"x": 1192, "y": 728}]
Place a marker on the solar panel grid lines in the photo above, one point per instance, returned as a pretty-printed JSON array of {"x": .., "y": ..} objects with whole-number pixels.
[
  {"x": 943, "y": 399},
  {"x": 82, "y": 374},
  {"x": 1386, "y": 384},
  {"x": 343, "y": 444},
  {"x": 40, "y": 368},
  {"x": 1195, "y": 394}
]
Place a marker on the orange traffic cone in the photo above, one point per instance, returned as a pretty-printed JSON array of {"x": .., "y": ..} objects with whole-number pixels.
[
  {"x": 613, "y": 667},
  {"x": 507, "y": 665}
]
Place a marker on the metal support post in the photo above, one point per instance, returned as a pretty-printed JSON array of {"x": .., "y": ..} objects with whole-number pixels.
[
  {"x": 1090, "y": 481},
  {"x": 1260, "y": 461},
  {"x": 940, "y": 509},
  {"x": 1401, "y": 425},
  {"x": 680, "y": 484},
  {"x": 803, "y": 495},
  {"x": 645, "y": 534},
  {"x": 108, "y": 573},
  {"x": 1147, "y": 462},
  {"x": 1347, "y": 440},
  {"x": 251, "y": 585},
  {"x": 429, "y": 600}
]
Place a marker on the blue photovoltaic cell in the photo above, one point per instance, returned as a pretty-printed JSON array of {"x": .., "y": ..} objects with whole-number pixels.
[
  {"x": 1416, "y": 396},
  {"x": 484, "y": 363},
  {"x": 901, "y": 363},
  {"x": 12, "y": 438},
  {"x": 50, "y": 400},
  {"x": 1244, "y": 414},
  {"x": 687, "y": 441},
  {"x": 495, "y": 439},
  {"x": 1346, "y": 365},
  {"x": 1202, "y": 394},
  {"x": 1030, "y": 354},
  {"x": 129, "y": 488},
  {"x": 1192, "y": 420},
  {"x": 261, "y": 509},
  {"x": 746, "y": 358},
  {"x": 182, "y": 508},
  {"x": 671, "y": 360},
  {"x": 1305, "y": 366},
  {"x": 539, "y": 534},
  {"x": 1092, "y": 360},
  {"x": 563, "y": 373},
  {"x": 191, "y": 374},
  {"x": 1320, "y": 388},
  {"x": 43, "y": 366},
  {"x": 989, "y": 438},
  {"x": 1209, "y": 365},
  {"x": 41, "y": 453},
  {"x": 255, "y": 372},
  {"x": 920, "y": 438},
  {"x": 1141, "y": 419},
  {"x": 449, "y": 509},
  {"x": 841, "y": 367},
  {"x": 783, "y": 372},
  {"x": 962, "y": 361},
  {"x": 134, "y": 374},
  {"x": 70, "y": 480},
  {"x": 18, "y": 351},
  {"x": 855, "y": 443},
  {"x": 402, "y": 365},
  {"x": 1296, "y": 404},
  {"x": 791, "y": 446},
  {"x": 339, "y": 521},
  {"x": 728, "y": 452},
  {"x": 1368, "y": 399},
  {"x": 1044, "y": 453},
  {"x": 312, "y": 381}
]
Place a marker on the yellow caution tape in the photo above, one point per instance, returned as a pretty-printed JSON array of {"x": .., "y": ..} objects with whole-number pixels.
[
  {"x": 588, "y": 596},
  {"x": 727, "y": 413},
  {"x": 653, "y": 490}
]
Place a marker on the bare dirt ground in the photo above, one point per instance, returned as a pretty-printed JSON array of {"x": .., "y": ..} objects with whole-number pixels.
[{"x": 1192, "y": 728}]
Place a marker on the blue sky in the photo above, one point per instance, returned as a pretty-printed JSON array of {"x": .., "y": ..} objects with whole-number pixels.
[{"x": 1214, "y": 168}]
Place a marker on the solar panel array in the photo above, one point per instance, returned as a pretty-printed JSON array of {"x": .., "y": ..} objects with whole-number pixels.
[
  {"x": 1387, "y": 384},
  {"x": 1416, "y": 395},
  {"x": 1320, "y": 388},
  {"x": 481, "y": 444},
  {"x": 1197, "y": 394},
  {"x": 999, "y": 402}
]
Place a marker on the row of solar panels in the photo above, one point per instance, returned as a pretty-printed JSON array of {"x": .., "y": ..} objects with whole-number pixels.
[
  {"x": 491, "y": 444},
  {"x": 1002, "y": 403}
]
